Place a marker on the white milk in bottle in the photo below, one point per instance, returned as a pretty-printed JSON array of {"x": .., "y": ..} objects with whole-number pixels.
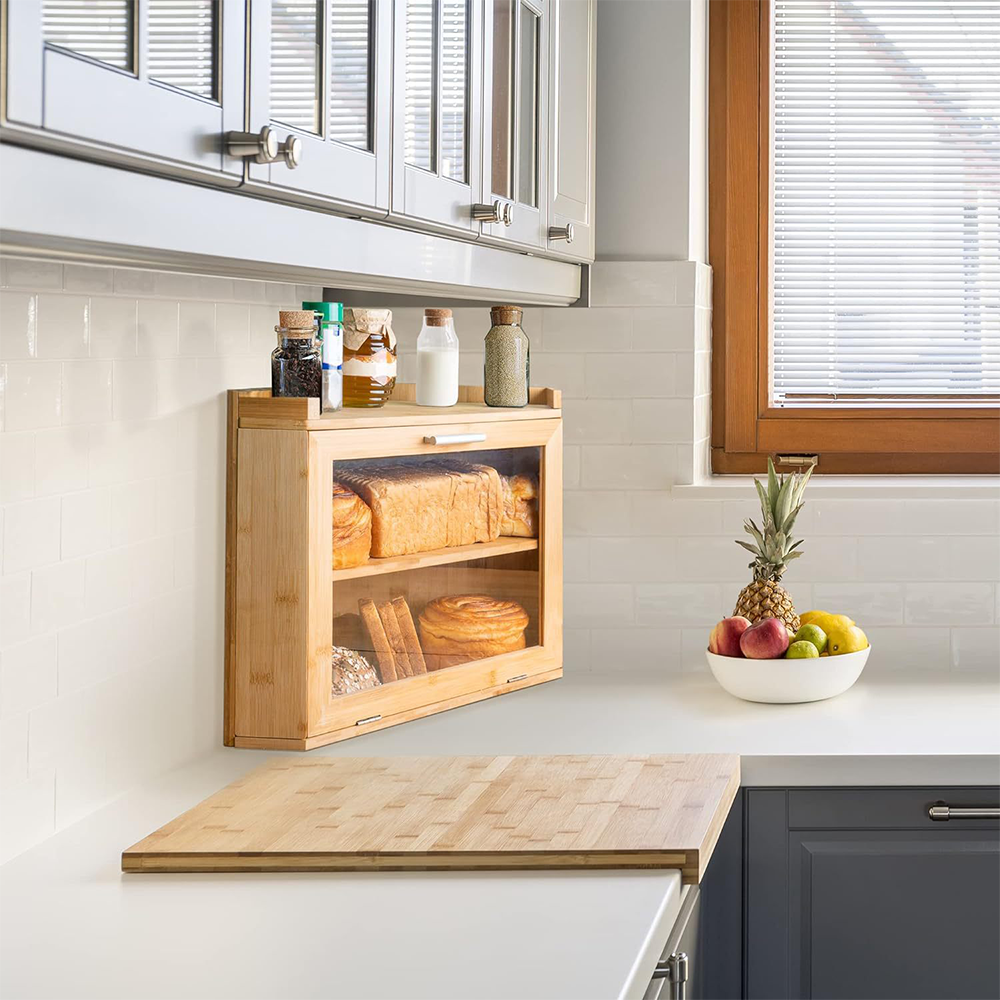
[{"x": 437, "y": 360}]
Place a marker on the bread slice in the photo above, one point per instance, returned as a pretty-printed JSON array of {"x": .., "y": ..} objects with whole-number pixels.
[
  {"x": 388, "y": 615},
  {"x": 409, "y": 632},
  {"x": 383, "y": 650}
]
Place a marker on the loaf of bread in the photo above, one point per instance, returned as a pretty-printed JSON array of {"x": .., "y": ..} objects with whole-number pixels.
[
  {"x": 520, "y": 506},
  {"x": 352, "y": 528},
  {"x": 468, "y": 627},
  {"x": 416, "y": 508},
  {"x": 352, "y": 672}
]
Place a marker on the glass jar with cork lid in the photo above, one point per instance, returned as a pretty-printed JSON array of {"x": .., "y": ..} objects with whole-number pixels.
[
  {"x": 369, "y": 357},
  {"x": 507, "y": 368},
  {"x": 296, "y": 366}
]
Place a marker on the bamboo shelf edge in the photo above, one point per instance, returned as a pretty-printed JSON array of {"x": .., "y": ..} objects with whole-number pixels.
[{"x": 437, "y": 557}]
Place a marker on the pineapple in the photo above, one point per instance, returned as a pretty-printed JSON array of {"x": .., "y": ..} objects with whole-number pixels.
[{"x": 772, "y": 549}]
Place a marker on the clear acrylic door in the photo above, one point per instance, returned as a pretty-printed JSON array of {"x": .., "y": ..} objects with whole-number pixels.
[
  {"x": 436, "y": 564},
  {"x": 319, "y": 72}
]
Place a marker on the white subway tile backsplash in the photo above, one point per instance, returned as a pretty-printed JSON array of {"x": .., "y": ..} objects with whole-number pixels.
[
  {"x": 972, "y": 558},
  {"x": 642, "y": 283},
  {"x": 196, "y": 323},
  {"x": 32, "y": 395},
  {"x": 976, "y": 649},
  {"x": 232, "y": 328},
  {"x": 669, "y": 328},
  {"x": 86, "y": 278},
  {"x": 949, "y": 603},
  {"x": 112, "y": 327},
  {"x": 86, "y": 522},
  {"x": 86, "y": 393},
  {"x": 586, "y": 330},
  {"x": 27, "y": 675},
  {"x": 625, "y": 560},
  {"x": 18, "y": 325},
  {"x": 17, "y": 466},
  {"x": 867, "y": 603},
  {"x": 571, "y": 466},
  {"x": 57, "y": 596},
  {"x": 15, "y": 608},
  {"x": 576, "y": 560},
  {"x": 704, "y": 558},
  {"x": 661, "y": 420},
  {"x": 905, "y": 650},
  {"x": 624, "y": 376},
  {"x": 158, "y": 328},
  {"x": 679, "y": 604},
  {"x": 134, "y": 282},
  {"x": 30, "y": 534},
  {"x": 596, "y": 512},
  {"x": 109, "y": 577},
  {"x": 621, "y": 650},
  {"x": 597, "y": 421},
  {"x": 134, "y": 389},
  {"x": 28, "y": 814},
  {"x": 23, "y": 273},
  {"x": 903, "y": 558},
  {"x": 657, "y": 513},
  {"x": 13, "y": 755},
  {"x": 597, "y": 605},
  {"x": 133, "y": 511},
  {"x": 63, "y": 326},
  {"x": 644, "y": 467}
]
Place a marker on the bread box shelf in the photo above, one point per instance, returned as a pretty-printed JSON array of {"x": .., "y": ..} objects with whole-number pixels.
[{"x": 407, "y": 625}]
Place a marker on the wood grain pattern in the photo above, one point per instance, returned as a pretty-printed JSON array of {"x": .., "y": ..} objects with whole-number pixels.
[
  {"x": 229, "y": 653},
  {"x": 405, "y": 813}
]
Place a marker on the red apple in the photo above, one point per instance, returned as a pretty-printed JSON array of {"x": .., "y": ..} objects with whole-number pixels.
[
  {"x": 725, "y": 637},
  {"x": 767, "y": 640}
]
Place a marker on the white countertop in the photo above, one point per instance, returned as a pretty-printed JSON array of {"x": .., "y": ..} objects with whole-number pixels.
[{"x": 72, "y": 925}]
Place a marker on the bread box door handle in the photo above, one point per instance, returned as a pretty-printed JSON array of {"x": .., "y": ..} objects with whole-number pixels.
[{"x": 453, "y": 438}]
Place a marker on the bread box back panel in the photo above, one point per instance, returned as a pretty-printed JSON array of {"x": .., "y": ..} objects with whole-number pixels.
[{"x": 384, "y": 565}]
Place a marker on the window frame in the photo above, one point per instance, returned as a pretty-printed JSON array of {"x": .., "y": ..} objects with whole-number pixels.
[{"x": 746, "y": 428}]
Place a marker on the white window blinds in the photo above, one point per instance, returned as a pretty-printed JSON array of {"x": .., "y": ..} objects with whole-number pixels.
[{"x": 885, "y": 216}]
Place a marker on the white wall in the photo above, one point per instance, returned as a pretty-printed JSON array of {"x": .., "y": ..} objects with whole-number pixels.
[{"x": 652, "y": 124}]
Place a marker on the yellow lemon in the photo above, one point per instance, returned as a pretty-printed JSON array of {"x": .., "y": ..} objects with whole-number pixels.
[
  {"x": 846, "y": 640},
  {"x": 827, "y": 622},
  {"x": 809, "y": 617}
]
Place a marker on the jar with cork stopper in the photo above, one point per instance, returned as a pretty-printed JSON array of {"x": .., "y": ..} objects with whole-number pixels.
[
  {"x": 437, "y": 360},
  {"x": 507, "y": 367},
  {"x": 296, "y": 366}
]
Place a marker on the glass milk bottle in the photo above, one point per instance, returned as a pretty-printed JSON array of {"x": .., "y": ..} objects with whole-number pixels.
[{"x": 437, "y": 360}]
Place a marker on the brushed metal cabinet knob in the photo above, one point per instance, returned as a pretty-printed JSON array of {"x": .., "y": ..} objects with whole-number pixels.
[
  {"x": 562, "y": 232},
  {"x": 261, "y": 147},
  {"x": 291, "y": 151},
  {"x": 489, "y": 213}
]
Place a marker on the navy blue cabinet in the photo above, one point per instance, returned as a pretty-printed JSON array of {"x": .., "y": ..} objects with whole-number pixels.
[{"x": 857, "y": 893}]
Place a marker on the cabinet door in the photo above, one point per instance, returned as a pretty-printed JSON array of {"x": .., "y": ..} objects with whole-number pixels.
[
  {"x": 320, "y": 71},
  {"x": 572, "y": 108},
  {"x": 437, "y": 124},
  {"x": 516, "y": 70},
  {"x": 150, "y": 80}
]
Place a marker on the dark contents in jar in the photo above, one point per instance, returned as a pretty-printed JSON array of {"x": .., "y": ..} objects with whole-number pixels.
[{"x": 295, "y": 373}]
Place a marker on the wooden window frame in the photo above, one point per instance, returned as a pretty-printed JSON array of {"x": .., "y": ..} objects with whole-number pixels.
[{"x": 746, "y": 427}]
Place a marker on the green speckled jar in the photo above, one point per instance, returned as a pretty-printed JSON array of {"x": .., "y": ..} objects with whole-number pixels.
[{"x": 507, "y": 370}]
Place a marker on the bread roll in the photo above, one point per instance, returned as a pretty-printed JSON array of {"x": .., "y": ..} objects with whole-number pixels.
[
  {"x": 416, "y": 508},
  {"x": 352, "y": 528},
  {"x": 352, "y": 672},
  {"x": 468, "y": 627},
  {"x": 520, "y": 506}
]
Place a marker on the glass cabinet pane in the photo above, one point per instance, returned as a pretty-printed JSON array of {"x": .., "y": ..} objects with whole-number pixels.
[
  {"x": 436, "y": 564},
  {"x": 419, "y": 122},
  {"x": 502, "y": 170},
  {"x": 527, "y": 108},
  {"x": 351, "y": 25},
  {"x": 296, "y": 31},
  {"x": 99, "y": 29},
  {"x": 182, "y": 44},
  {"x": 454, "y": 87}
]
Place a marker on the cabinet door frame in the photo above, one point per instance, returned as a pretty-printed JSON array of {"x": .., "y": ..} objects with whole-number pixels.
[
  {"x": 70, "y": 102},
  {"x": 430, "y": 200},
  {"x": 530, "y": 225},
  {"x": 354, "y": 179},
  {"x": 565, "y": 208}
]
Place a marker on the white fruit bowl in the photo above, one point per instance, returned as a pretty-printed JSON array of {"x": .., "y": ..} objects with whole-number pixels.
[{"x": 783, "y": 682}]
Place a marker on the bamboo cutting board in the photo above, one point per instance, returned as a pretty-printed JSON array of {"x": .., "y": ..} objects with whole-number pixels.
[{"x": 427, "y": 813}]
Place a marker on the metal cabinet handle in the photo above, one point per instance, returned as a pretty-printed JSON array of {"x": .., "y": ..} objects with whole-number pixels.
[
  {"x": 675, "y": 971},
  {"x": 291, "y": 151},
  {"x": 261, "y": 146},
  {"x": 453, "y": 438},
  {"x": 508, "y": 214},
  {"x": 492, "y": 213},
  {"x": 562, "y": 232},
  {"x": 945, "y": 813}
]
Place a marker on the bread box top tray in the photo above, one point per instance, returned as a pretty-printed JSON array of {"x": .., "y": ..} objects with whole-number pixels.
[{"x": 256, "y": 408}]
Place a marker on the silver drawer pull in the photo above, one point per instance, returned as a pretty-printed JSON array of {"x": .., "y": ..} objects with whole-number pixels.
[
  {"x": 453, "y": 438},
  {"x": 945, "y": 813}
]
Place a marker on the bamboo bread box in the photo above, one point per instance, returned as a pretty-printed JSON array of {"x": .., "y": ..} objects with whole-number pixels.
[
  {"x": 469, "y": 813},
  {"x": 457, "y": 509}
]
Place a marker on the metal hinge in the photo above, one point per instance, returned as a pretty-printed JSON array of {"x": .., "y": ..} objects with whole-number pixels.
[
  {"x": 675, "y": 971},
  {"x": 802, "y": 461},
  {"x": 371, "y": 718}
]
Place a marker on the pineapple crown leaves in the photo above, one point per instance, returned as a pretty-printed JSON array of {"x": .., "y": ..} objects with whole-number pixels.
[{"x": 780, "y": 504}]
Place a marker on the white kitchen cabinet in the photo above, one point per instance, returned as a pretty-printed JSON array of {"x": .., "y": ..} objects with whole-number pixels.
[
  {"x": 320, "y": 73},
  {"x": 571, "y": 127},
  {"x": 437, "y": 113},
  {"x": 515, "y": 115},
  {"x": 152, "y": 81}
]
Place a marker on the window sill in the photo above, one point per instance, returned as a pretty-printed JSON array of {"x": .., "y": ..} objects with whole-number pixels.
[{"x": 854, "y": 488}]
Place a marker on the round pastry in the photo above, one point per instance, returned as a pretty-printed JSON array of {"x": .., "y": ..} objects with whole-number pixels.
[
  {"x": 352, "y": 672},
  {"x": 352, "y": 528},
  {"x": 468, "y": 627}
]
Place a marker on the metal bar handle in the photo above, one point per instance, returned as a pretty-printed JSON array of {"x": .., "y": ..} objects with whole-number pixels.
[
  {"x": 945, "y": 813},
  {"x": 453, "y": 438}
]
